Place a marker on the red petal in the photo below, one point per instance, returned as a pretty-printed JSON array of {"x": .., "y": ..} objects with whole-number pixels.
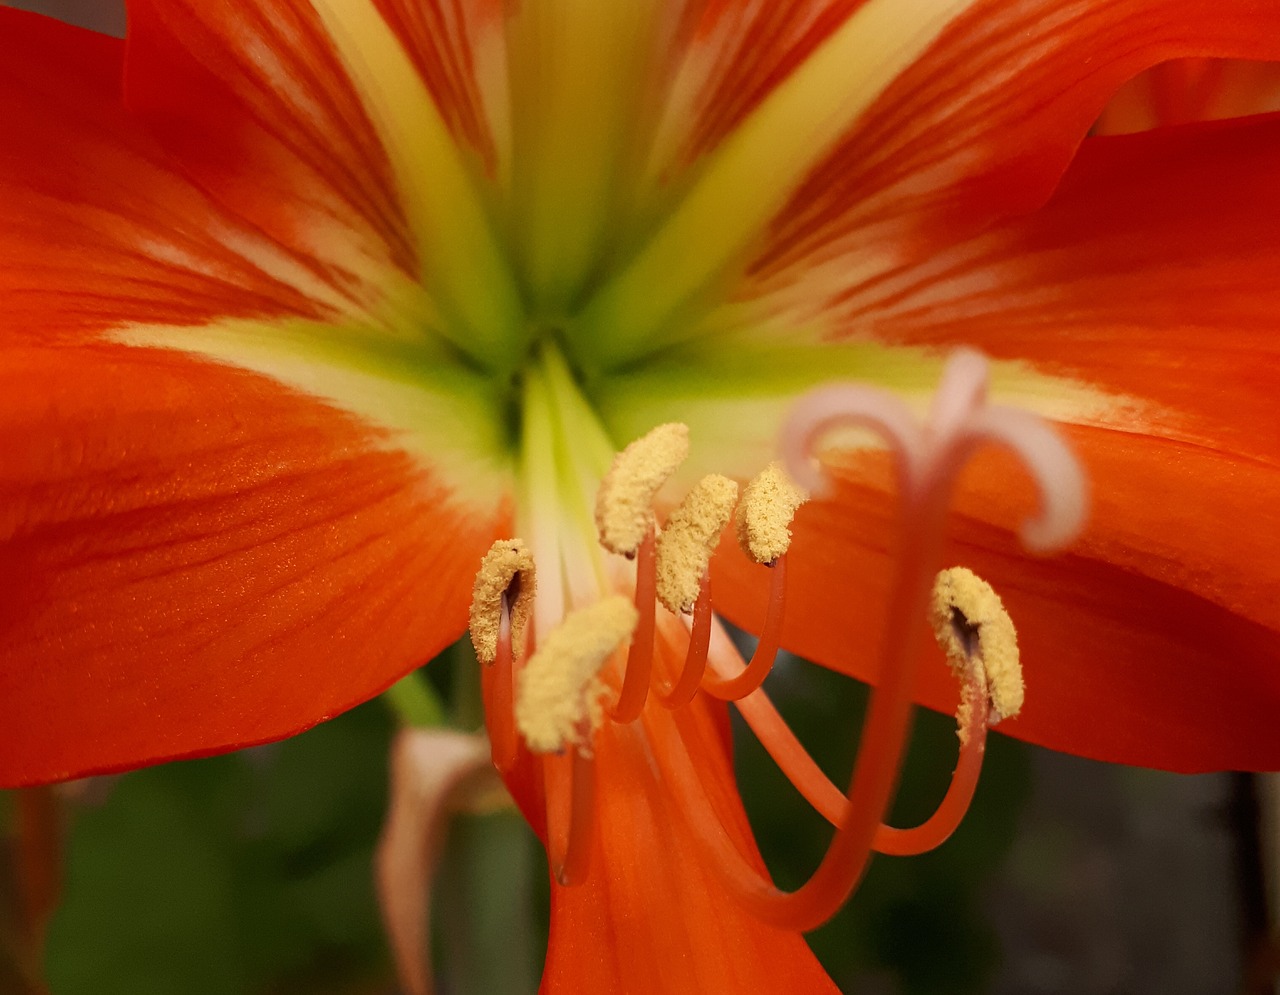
[
  {"x": 984, "y": 125},
  {"x": 1187, "y": 90},
  {"x": 442, "y": 39},
  {"x": 97, "y": 228},
  {"x": 736, "y": 52},
  {"x": 194, "y": 559},
  {"x": 253, "y": 101},
  {"x": 1120, "y": 665},
  {"x": 651, "y": 917},
  {"x": 1152, "y": 275}
]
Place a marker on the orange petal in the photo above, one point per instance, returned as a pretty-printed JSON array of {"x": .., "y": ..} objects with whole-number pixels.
[
  {"x": 253, "y": 101},
  {"x": 195, "y": 558},
  {"x": 1151, "y": 277},
  {"x": 1186, "y": 90},
  {"x": 1119, "y": 665},
  {"x": 651, "y": 917},
  {"x": 981, "y": 126},
  {"x": 449, "y": 44},
  {"x": 734, "y": 53},
  {"x": 98, "y": 230},
  {"x": 1151, "y": 274}
]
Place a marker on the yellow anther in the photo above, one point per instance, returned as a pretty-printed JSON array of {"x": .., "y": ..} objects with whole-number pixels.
[
  {"x": 764, "y": 515},
  {"x": 506, "y": 570},
  {"x": 559, "y": 694},
  {"x": 975, "y": 631},
  {"x": 624, "y": 503},
  {"x": 690, "y": 538}
]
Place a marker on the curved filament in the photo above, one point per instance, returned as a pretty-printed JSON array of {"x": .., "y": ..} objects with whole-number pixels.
[
  {"x": 752, "y": 677},
  {"x": 946, "y": 819},
  {"x": 695, "y": 658},
  {"x": 500, "y": 703},
  {"x": 635, "y": 680}
]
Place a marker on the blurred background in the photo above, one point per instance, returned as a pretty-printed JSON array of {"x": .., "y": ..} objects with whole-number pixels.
[{"x": 251, "y": 874}]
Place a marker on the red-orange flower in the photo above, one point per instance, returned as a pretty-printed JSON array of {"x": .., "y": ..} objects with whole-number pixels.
[{"x": 304, "y": 304}]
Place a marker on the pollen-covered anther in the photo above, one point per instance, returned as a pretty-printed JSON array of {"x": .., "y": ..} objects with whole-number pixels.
[
  {"x": 624, "y": 502},
  {"x": 974, "y": 630},
  {"x": 763, "y": 520},
  {"x": 505, "y": 572},
  {"x": 690, "y": 538},
  {"x": 559, "y": 693}
]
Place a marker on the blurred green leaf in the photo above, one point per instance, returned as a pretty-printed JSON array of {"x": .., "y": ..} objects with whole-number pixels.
[{"x": 238, "y": 874}]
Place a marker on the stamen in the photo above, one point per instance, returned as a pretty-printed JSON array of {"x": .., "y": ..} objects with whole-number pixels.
[
  {"x": 695, "y": 658},
  {"x": 624, "y": 503},
  {"x": 690, "y": 538},
  {"x": 506, "y": 577},
  {"x": 559, "y": 697},
  {"x": 978, "y": 637},
  {"x": 501, "y": 604},
  {"x": 635, "y": 679},
  {"x": 928, "y": 460},
  {"x": 763, "y": 520},
  {"x": 753, "y": 676},
  {"x": 977, "y": 634},
  {"x": 499, "y": 711},
  {"x": 946, "y": 819}
]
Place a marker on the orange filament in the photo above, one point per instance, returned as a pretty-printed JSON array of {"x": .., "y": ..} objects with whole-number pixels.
[
  {"x": 695, "y": 658},
  {"x": 875, "y": 773},
  {"x": 742, "y": 684},
  {"x": 499, "y": 705},
  {"x": 937, "y": 829},
  {"x": 830, "y": 802},
  {"x": 635, "y": 680},
  {"x": 792, "y": 758},
  {"x": 570, "y": 788}
]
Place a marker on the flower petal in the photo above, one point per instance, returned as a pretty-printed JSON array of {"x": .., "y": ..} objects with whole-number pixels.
[
  {"x": 1149, "y": 278},
  {"x": 1119, "y": 666},
  {"x": 651, "y": 917},
  {"x": 981, "y": 126},
  {"x": 1152, "y": 277},
  {"x": 459, "y": 50},
  {"x": 98, "y": 230},
  {"x": 1186, "y": 90},
  {"x": 195, "y": 558},
  {"x": 254, "y": 101}
]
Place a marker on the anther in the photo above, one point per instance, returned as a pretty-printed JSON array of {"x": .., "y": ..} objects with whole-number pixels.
[
  {"x": 506, "y": 575},
  {"x": 624, "y": 502},
  {"x": 975, "y": 631},
  {"x": 559, "y": 698},
  {"x": 690, "y": 538},
  {"x": 977, "y": 635},
  {"x": 763, "y": 519}
]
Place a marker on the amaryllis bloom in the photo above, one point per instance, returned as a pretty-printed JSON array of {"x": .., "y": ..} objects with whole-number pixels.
[{"x": 304, "y": 304}]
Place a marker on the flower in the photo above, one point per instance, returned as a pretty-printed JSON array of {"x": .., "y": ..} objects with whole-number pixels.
[{"x": 306, "y": 304}]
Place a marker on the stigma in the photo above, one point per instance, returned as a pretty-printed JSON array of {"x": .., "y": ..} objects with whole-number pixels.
[{"x": 549, "y": 693}]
